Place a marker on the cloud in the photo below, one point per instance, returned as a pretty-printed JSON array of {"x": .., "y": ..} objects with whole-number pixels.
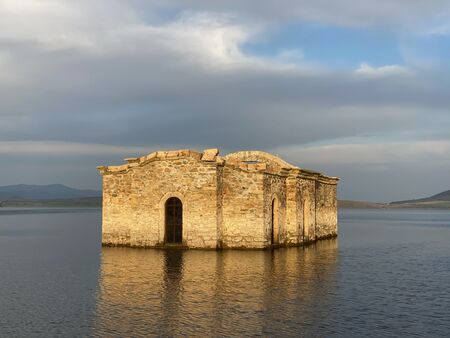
[
  {"x": 405, "y": 15},
  {"x": 110, "y": 79},
  {"x": 439, "y": 25},
  {"x": 61, "y": 24},
  {"x": 366, "y": 70},
  {"x": 379, "y": 171},
  {"x": 66, "y": 149},
  {"x": 371, "y": 154},
  {"x": 291, "y": 55}
]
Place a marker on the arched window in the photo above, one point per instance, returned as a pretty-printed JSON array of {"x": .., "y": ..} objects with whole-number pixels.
[{"x": 174, "y": 221}]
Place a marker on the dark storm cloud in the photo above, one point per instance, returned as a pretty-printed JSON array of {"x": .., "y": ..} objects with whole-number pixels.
[{"x": 136, "y": 99}]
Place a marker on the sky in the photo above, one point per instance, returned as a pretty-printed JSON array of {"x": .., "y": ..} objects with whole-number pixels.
[{"x": 355, "y": 89}]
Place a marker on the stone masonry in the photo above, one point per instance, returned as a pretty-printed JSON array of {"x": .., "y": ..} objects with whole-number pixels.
[{"x": 247, "y": 199}]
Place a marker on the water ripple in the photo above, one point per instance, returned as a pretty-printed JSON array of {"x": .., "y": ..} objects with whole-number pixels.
[{"x": 386, "y": 276}]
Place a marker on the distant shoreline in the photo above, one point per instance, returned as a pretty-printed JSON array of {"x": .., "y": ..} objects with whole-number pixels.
[
  {"x": 345, "y": 204},
  {"x": 96, "y": 202},
  {"x": 86, "y": 202}
]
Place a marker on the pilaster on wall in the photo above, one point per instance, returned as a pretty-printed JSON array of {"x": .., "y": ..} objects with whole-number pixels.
[
  {"x": 308, "y": 210},
  {"x": 242, "y": 209},
  {"x": 293, "y": 203},
  {"x": 275, "y": 188},
  {"x": 326, "y": 206},
  {"x": 219, "y": 211}
]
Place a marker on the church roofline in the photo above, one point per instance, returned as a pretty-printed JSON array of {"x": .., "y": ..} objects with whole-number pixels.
[
  {"x": 208, "y": 155},
  {"x": 258, "y": 153},
  {"x": 241, "y": 160}
]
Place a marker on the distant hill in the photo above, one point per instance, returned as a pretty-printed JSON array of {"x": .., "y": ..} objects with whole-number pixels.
[
  {"x": 25, "y": 192},
  {"x": 346, "y": 204},
  {"x": 82, "y": 202},
  {"x": 441, "y": 197},
  {"x": 438, "y": 201}
]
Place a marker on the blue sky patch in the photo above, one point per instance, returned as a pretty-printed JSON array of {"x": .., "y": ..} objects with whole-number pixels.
[{"x": 338, "y": 47}]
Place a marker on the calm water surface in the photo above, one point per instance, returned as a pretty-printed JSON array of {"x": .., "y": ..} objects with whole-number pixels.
[{"x": 388, "y": 274}]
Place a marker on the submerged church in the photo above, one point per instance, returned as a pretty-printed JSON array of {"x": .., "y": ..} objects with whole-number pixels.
[{"x": 190, "y": 199}]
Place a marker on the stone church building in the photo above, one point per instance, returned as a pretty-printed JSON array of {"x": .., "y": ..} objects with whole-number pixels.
[{"x": 184, "y": 198}]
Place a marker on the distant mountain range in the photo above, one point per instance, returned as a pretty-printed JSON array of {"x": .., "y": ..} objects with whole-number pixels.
[
  {"x": 441, "y": 197},
  {"x": 26, "y": 192},
  {"x": 438, "y": 201}
]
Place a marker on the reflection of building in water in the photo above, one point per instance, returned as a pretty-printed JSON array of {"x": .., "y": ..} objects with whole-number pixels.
[
  {"x": 208, "y": 293},
  {"x": 299, "y": 289},
  {"x": 171, "y": 301},
  {"x": 247, "y": 199}
]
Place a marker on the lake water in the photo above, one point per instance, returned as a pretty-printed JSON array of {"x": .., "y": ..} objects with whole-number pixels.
[{"x": 388, "y": 274}]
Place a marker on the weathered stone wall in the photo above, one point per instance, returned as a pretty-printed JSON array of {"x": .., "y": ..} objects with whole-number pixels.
[
  {"x": 243, "y": 215},
  {"x": 326, "y": 210},
  {"x": 219, "y": 210},
  {"x": 294, "y": 216},
  {"x": 117, "y": 202},
  {"x": 308, "y": 213},
  {"x": 227, "y": 202},
  {"x": 275, "y": 188},
  {"x": 134, "y": 202}
]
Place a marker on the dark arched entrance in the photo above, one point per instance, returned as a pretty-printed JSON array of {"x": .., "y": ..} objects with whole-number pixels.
[{"x": 174, "y": 221}]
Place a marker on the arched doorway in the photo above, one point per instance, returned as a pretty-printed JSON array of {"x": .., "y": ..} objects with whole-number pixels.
[
  {"x": 174, "y": 221},
  {"x": 274, "y": 222}
]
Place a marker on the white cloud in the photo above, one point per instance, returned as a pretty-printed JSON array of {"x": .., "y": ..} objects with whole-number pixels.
[
  {"x": 370, "y": 154},
  {"x": 212, "y": 39},
  {"x": 107, "y": 28},
  {"x": 295, "y": 55},
  {"x": 47, "y": 22},
  {"x": 377, "y": 72},
  {"x": 376, "y": 153},
  {"x": 404, "y": 15},
  {"x": 61, "y": 149}
]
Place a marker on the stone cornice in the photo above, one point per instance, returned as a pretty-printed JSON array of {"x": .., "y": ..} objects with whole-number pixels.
[
  {"x": 233, "y": 160},
  {"x": 208, "y": 155}
]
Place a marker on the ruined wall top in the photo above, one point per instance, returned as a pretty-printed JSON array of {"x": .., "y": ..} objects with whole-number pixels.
[
  {"x": 249, "y": 161},
  {"x": 255, "y": 156}
]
